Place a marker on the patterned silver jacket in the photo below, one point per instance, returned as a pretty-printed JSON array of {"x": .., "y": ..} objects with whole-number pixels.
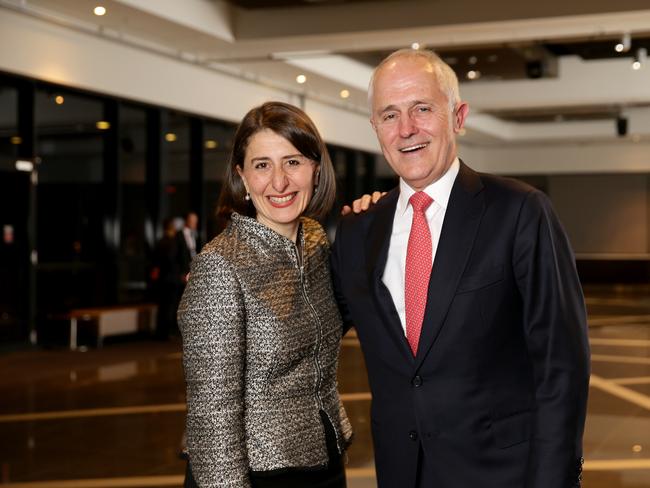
[{"x": 261, "y": 336}]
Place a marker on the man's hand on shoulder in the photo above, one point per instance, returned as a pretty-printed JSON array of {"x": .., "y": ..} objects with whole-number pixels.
[{"x": 363, "y": 203}]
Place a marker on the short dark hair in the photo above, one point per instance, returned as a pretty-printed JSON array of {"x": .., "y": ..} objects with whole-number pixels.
[{"x": 296, "y": 127}]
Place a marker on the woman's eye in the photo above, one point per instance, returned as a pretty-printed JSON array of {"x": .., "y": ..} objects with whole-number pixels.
[
  {"x": 293, "y": 162},
  {"x": 261, "y": 165}
]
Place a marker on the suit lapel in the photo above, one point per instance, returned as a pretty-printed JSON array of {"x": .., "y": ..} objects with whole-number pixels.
[
  {"x": 462, "y": 218},
  {"x": 377, "y": 245}
]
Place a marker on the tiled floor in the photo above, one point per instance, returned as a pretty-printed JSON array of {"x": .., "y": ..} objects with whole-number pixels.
[{"x": 114, "y": 417}]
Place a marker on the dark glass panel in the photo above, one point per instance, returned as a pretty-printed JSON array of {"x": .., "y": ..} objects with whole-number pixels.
[
  {"x": 14, "y": 197},
  {"x": 70, "y": 238},
  {"x": 133, "y": 253},
  {"x": 175, "y": 167},
  {"x": 217, "y": 146}
]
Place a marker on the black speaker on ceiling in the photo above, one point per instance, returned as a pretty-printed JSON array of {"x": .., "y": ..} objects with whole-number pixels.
[
  {"x": 535, "y": 69},
  {"x": 621, "y": 126}
]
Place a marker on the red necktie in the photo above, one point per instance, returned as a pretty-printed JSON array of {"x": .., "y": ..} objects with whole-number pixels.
[{"x": 418, "y": 269}]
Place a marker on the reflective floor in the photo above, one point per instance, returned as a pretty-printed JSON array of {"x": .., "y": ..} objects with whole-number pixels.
[{"x": 114, "y": 417}]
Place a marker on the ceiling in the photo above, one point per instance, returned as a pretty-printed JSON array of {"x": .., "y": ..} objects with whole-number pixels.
[{"x": 520, "y": 63}]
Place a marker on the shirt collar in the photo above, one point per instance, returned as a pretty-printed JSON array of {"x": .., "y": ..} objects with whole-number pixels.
[{"x": 439, "y": 190}]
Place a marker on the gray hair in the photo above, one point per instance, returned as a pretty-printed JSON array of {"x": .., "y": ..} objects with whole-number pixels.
[{"x": 445, "y": 76}]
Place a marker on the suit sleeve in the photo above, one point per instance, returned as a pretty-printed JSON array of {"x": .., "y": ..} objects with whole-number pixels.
[
  {"x": 211, "y": 318},
  {"x": 555, "y": 328},
  {"x": 336, "y": 257}
]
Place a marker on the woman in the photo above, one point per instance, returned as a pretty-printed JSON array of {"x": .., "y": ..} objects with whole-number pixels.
[{"x": 261, "y": 329}]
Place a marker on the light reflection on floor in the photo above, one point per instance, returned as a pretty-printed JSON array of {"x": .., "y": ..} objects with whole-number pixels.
[{"x": 114, "y": 417}]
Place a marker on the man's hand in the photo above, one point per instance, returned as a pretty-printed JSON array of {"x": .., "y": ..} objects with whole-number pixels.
[{"x": 362, "y": 204}]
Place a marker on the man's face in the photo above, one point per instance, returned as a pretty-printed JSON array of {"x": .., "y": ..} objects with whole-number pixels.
[
  {"x": 414, "y": 121},
  {"x": 192, "y": 221}
]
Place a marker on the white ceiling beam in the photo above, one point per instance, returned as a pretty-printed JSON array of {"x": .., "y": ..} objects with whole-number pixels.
[
  {"x": 343, "y": 69},
  {"x": 211, "y": 17},
  {"x": 444, "y": 36}
]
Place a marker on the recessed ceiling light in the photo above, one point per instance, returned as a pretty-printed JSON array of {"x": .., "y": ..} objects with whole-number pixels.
[
  {"x": 170, "y": 137},
  {"x": 415, "y": 45},
  {"x": 301, "y": 79},
  {"x": 472, "y": 59},
  {"x": 103, "y": 125},
  {"x": 345, "y": 93},
  {"x": 636, "y": 65},
  {"x": 624, "y": 44},
  {"x": 211, "y": 144},
  {"x": 23, "y": 165},
  {"x": 16, "y": 140},
  {"x": 473, "y": 74},
  {"x": 99, "y": 11},
  {"x": 637, "y": 448},
  {"x": 59, "y": 100}
]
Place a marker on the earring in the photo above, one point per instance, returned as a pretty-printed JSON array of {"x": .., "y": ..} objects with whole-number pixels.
[
  {"x": 247, "y": 197},
  {"x": 315, "y": 189}
]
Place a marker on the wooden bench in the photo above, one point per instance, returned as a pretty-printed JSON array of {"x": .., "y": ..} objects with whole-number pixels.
[{"x": 115, "y": 320}]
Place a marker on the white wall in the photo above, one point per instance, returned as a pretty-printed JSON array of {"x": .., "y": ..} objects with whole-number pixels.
[
  {"x": 603, "y": 214},
  {"x": 553, "y": 158}
]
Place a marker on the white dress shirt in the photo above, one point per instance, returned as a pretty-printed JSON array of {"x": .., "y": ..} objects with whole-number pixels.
[
  {"x": 394, "y": 272},
  {"x": 190, "y": 240}
]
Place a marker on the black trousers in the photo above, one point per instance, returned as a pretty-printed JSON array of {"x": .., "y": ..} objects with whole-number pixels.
[{"x": 331, "y": 477}]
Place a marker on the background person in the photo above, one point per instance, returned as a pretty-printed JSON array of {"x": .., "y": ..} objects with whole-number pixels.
[
  {"x": 188, "y": 242},
  {"x": 167, "y": 279}
]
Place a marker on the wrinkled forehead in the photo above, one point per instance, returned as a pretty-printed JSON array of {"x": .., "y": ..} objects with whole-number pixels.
[
  {"x": 402, "y": 69},
  {"x": 404, "y": 79}
]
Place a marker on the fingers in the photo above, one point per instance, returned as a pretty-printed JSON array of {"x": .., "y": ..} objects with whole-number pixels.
[{"x": 361, "y": 204}]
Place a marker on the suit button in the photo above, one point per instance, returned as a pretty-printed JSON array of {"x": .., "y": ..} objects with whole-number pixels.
[
  {"x": 417, "y": 381},
  {"x": 413, "y": 435}
]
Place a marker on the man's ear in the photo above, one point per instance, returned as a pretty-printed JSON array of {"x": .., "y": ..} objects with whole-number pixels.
[
  {"x": 462, "y": 110},
  {"x": 372, "y": 123}
]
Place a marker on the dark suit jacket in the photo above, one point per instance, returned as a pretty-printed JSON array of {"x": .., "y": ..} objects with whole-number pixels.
[
  {"x": 497, "y": 393},
  {"x": 184, "y": 255}
]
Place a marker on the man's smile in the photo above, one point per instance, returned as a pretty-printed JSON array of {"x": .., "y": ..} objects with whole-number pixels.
[{"x": 414, "y": 147}]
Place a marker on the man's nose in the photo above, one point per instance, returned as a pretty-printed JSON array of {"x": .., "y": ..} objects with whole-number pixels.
[{"x": 407, "y": 126}]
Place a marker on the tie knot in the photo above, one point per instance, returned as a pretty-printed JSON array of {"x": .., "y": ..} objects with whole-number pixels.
[{"x": 420, "y": 201}]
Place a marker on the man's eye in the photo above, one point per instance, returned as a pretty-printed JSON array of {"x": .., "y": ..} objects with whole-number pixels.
[
  {"x": 423, "y": 109},
  {"x": 388, "y": 117}
]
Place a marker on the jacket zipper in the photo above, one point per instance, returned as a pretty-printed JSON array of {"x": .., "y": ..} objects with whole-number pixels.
[{"x": 319, "y": 374}]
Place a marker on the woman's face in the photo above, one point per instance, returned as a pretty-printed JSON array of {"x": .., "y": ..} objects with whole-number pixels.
[{"x": 279, "y": 179}]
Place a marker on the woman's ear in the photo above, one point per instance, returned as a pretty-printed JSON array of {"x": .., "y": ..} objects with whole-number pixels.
[{"x": 240, "y": 172}]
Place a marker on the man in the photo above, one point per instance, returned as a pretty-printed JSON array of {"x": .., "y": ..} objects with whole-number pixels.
[
  {"x": 187, "y": 242},
  {"x": 466, "y": 302}
]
